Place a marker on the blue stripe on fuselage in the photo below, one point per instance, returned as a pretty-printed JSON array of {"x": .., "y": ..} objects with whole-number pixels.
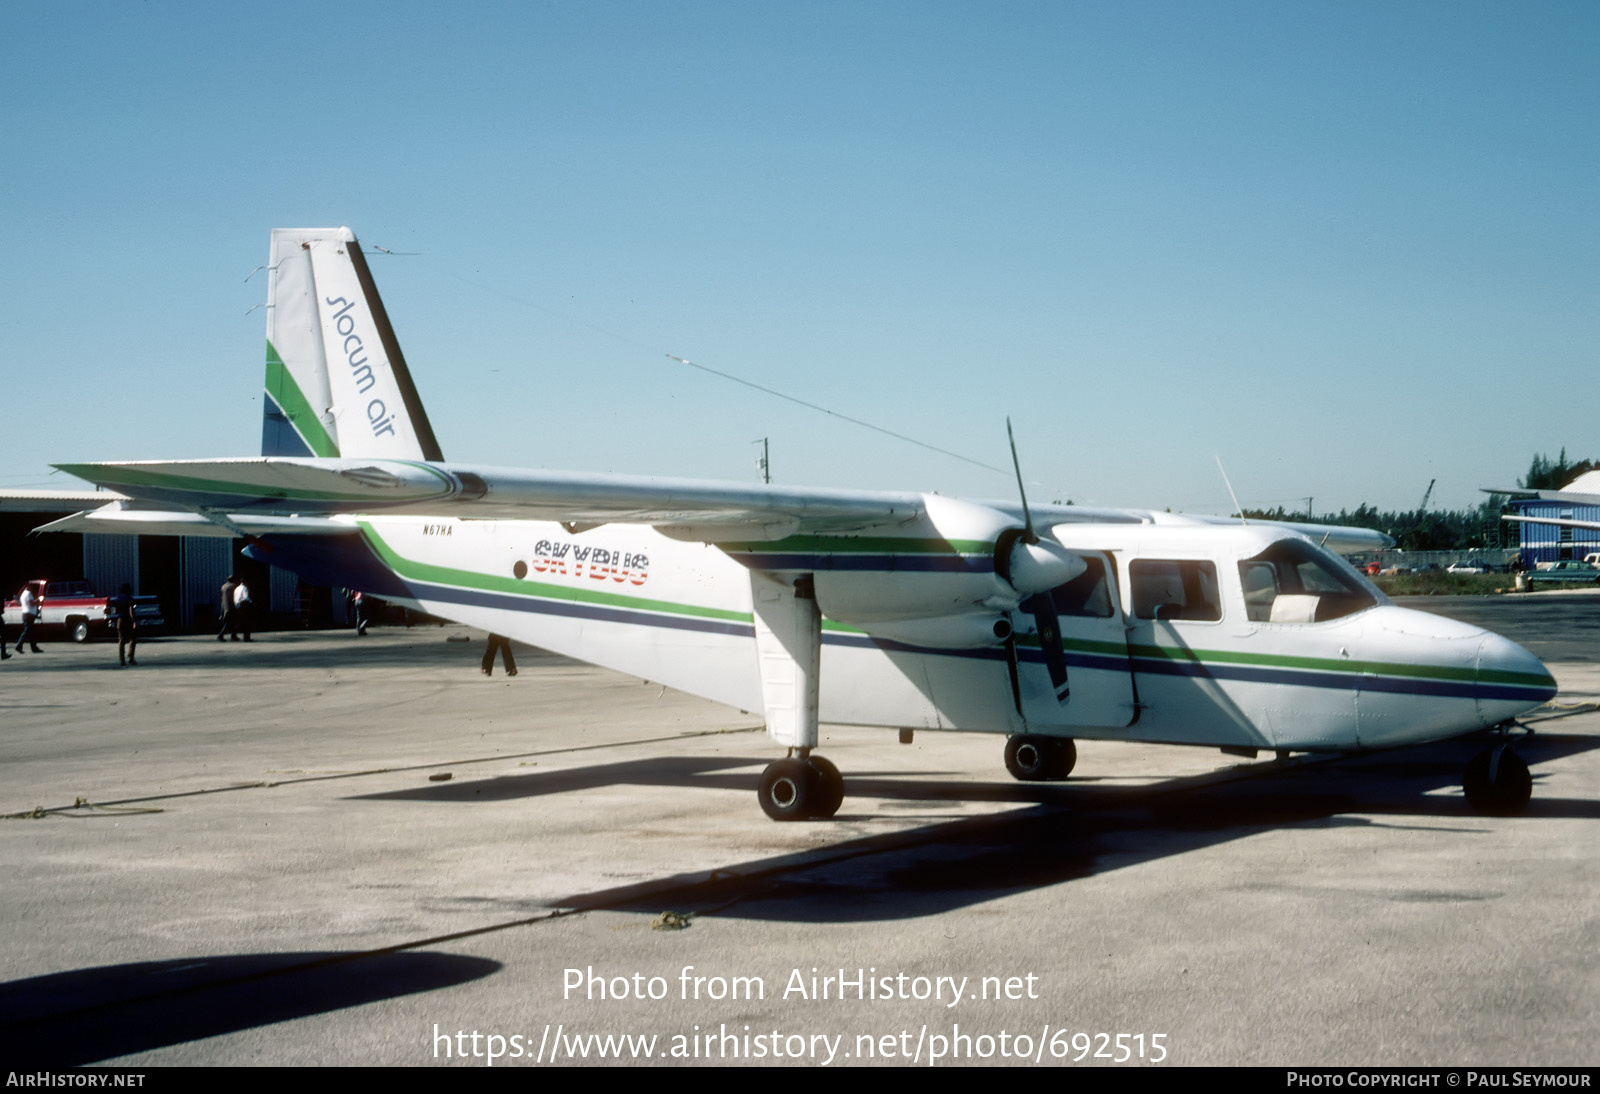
[
  {"x": 349, "y": 561},
  {"x": 898, "y": 563}
]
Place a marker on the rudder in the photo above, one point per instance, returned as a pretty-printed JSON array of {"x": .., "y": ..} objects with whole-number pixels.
[{"x": 336, "y": 381}]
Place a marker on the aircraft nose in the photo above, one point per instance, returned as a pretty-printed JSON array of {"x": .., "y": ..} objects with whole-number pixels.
[{"x": 1511, "y": 681}]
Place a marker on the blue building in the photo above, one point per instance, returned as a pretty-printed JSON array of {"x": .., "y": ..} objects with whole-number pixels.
[{"x": 1549, "y": 543}]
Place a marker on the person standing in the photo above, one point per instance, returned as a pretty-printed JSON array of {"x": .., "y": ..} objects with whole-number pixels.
[
  {"x": 31, "y": 606},
  {"x": 230, "y": 621},
  {"x": 243, "y": 608},
  {"x": 122, "y": 613},
  {"x": 498, "y": 642}
]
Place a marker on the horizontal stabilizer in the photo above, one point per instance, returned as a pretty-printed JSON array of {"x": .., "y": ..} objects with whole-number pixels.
[
  {"x": 51, "y": 501},
  {"x": 123, "y": 518}
]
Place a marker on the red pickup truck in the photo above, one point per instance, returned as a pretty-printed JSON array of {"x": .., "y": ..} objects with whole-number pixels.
[{"x": 74, "y": 607}]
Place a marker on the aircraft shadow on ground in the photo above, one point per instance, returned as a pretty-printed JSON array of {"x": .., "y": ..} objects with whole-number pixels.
[
  {"x": 86, "y": 1015},
  {"x": 1074, "y": 831}
]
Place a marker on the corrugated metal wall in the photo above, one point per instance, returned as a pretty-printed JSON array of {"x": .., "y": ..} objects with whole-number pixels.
[
  {"x": 205, "y": 564},
  {"x": 284, "y": 587},
  {"x": 108, "y": 561},
  {"x": 1548, "y": 543}
]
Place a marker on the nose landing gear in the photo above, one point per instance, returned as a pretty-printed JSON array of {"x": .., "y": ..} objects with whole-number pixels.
[{"x": 1497, "y": 782}]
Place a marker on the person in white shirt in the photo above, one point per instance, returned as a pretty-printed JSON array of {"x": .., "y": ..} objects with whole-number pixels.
[
  {"x": 243, "y": 607},
  {"x": 30, "y": 615}
]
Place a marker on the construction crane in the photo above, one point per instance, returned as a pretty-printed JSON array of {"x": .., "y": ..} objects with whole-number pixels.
[{"x": 1426, "y": 494}]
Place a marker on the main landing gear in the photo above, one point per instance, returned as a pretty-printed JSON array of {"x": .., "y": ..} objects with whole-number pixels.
[
  {"x": 801, "y": 787},
  {"x": 1497, "y": 781},
  {"x": 1040, "y": 759}
]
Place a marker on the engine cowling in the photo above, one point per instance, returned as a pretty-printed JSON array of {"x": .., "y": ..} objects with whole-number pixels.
[{"x": 947, "y": 579}]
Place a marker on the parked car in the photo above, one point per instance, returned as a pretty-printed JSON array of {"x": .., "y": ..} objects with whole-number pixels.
[
  {"x": 1465, "y": 568},
  {"x": 1565, "y": 573}
]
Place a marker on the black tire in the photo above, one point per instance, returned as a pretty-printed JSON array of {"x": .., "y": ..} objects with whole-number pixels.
[
  {"x": 789, "y": 790},
  {"x": 830, "y": 787},
  {"x": 78, "y": 630},
  {"x": 1028, "y": 758},
  {"x": 1504, "y": 796},
  {"x": 1040, "y": 759},
  {"x": 1066, "y": 758}
]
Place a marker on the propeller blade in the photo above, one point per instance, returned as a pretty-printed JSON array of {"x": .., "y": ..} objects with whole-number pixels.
[
  {"x": 1048, "y": 622},
  {"x": 1027, "y": 517}
]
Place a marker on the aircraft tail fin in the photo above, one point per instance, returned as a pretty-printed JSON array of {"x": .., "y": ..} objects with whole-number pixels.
[{"x": 337, "y": 383}]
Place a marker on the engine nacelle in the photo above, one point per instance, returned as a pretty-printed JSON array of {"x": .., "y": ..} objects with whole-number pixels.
[
  {"x": 955, "y": 632},
  {"x": 957, "y": 559},
  {"x": 942, "y": 564}
]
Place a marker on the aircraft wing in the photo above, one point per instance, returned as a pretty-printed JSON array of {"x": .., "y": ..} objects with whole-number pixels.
[
  {"x": 281, "y": 495},
  {"x": 246, "y": 489},
  {"x": 1345, "y": 539},
  {"x": 1559, "y": 522},
  {"x": 1583, "y": 490},
  {"x": 1342, "y": 538}
]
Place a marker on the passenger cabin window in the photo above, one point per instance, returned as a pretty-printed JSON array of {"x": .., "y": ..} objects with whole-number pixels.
[
  {"x": 1175, "y": 590},
  {"x": 1088, "y": 594},
  {"x": 1294, "y": 582}
]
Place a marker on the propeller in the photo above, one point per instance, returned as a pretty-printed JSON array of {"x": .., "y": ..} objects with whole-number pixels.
[{"x": 1018, "y": 564}]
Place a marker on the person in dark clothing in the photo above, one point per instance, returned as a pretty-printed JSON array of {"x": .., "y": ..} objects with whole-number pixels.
[
  {"x": 500, "y": 643},
  {"x": 122, "y": 617},
  {"x": 230, "y": 618}
]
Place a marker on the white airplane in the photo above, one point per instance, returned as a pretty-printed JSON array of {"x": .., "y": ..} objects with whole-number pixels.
[{"x": 900, "y": 610}]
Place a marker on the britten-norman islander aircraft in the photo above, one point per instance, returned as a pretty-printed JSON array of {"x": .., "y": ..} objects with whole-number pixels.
[{"x": 900, "y": 610}]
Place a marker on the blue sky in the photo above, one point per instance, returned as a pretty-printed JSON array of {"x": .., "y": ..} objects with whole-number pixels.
[{"x": 1348, "y": 247}]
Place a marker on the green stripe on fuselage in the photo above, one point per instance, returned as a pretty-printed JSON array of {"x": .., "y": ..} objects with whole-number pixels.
[
  {"x": 1342, "y": 666},
  {"x": 413, "y": 570},
  {"x": 444, "y": 575}
]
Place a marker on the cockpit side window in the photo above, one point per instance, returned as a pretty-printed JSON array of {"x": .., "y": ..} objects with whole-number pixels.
[
  {"x": 1294, "y": 582},
  {"x": 1180, "y": 589},
  {"x": 1088, "y": 594}
]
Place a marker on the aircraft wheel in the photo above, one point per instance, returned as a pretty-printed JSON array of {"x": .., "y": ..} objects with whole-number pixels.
[
  {"x": 1066, "y": 758},
  {"x": 1504, "y": 795},
  {"x": 1040, "y": 759},
  {"x": 790, "y": 790},
  {"x": 1028, "y": 758},
  {"x": 830, "y": 787}
]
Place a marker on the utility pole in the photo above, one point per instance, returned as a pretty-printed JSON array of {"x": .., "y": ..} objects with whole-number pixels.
[{"x": 763, "y": 464}]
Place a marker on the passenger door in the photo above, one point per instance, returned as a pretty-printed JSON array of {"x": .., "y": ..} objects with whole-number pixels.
[{"x": 1094, "y": 641}]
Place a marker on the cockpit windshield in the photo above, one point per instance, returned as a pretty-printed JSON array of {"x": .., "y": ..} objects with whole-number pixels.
[{"x": 1295, "y": 582}]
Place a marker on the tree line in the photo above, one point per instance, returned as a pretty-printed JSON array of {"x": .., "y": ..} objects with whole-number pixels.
[{"x": 1446, "y": 529}]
